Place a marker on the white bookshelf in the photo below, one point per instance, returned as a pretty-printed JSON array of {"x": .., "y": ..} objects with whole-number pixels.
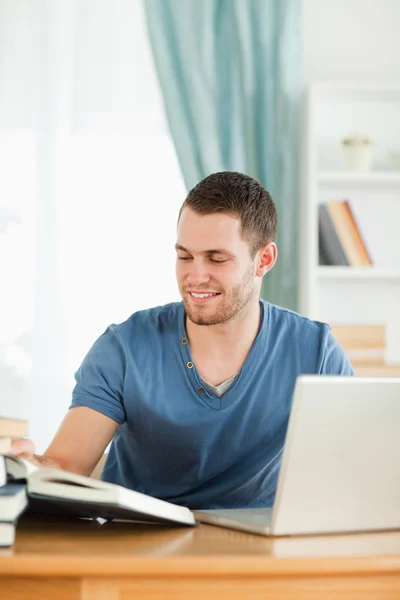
[
  {"x": 350, "y": 295},
  {"x": 369, "y": 178},
  {"x": 370, "y": 273}
]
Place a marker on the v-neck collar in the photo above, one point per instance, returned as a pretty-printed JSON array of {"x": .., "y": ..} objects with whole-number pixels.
[{"x": 204, "y": 394}]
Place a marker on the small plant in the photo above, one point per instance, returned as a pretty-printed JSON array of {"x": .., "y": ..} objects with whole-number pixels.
[{"x": 357, "y": 139}]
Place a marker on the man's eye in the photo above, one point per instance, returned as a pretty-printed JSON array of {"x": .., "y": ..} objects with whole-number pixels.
[
  {"x": 213, "y": 260},
  {"x": 183, "y": 257}
]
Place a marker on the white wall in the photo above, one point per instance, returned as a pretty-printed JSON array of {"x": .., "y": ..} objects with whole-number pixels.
[
  {"x": 355, "y": 40},
  {"x": 90, "y": 190},
  {"x": 342, "y": 39},
  {"x": 351, "y": 40}
]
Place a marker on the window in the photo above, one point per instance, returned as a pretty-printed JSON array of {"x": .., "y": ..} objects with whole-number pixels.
[{"x": 89, "y": 194}]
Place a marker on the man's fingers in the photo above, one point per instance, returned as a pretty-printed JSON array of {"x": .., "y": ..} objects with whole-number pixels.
[{"x": 22, "y": 447}]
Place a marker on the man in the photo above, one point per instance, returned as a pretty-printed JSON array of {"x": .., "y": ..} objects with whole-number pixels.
[{"x": 196, "y": 396}]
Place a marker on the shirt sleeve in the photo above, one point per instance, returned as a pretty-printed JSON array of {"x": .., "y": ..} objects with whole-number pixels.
[
  {"x": 100, "y": 378},
  {"x": 335, "y": 360}
]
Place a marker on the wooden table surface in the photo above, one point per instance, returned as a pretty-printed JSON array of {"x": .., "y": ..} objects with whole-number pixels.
[{"x": 65, "y": 558}]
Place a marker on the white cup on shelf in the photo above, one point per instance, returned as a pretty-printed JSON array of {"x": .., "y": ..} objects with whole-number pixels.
[{"x": 358, "y": 152}]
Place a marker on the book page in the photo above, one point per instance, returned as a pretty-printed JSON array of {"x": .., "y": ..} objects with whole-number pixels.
[
  {"x": 65, "y": 477},
  {"x": 18, "y": 467}
]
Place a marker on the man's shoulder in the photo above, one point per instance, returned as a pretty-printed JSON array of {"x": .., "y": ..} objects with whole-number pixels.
[
  {"x": 310, "y": 343},
  {"x": 284, "y": 318},
  {"x": 157, "y": 319}
]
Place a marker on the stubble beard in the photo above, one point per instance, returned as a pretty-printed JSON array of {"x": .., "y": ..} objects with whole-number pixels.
[{"x": 232, "y": 305}]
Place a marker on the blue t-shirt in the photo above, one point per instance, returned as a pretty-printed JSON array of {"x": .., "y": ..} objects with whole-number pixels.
[{"x": 177, "y": 440}]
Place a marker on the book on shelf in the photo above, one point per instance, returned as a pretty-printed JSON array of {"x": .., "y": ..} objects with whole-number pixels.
[
  {"x": 357, "y": 238},
  {"x": 377, "y": 370},
  {"x": 366, "y": 356},
  {"x": 331, "y": 252},
  {"x": 57, "y": 492},
  {"x": 360, "y": 335},
  {"x": 364, "y": 344},
  {"x": 347, "y": 231}
]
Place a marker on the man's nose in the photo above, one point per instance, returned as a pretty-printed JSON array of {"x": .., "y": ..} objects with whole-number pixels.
[{"x": 198, "y": 274}]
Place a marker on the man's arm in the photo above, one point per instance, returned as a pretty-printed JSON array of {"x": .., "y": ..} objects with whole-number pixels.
[
  {"x": 78, "y": 444},
  {"x": 95, "y": 414}
]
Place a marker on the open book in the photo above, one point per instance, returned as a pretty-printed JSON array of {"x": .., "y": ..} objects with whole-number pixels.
[{"x": 56, "y": 492}]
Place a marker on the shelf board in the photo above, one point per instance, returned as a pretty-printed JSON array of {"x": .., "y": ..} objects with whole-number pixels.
[
  {"x": 357, "y": 273},
  {"x": 386, "y": 177},
  {"x": 359, "y": 86}
]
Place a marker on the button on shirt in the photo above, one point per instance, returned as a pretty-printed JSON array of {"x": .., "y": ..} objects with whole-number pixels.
[{"x": 179, "y": 441}]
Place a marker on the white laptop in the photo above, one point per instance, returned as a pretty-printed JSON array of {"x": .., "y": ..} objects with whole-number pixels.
[{"x": 340, "y": 469}]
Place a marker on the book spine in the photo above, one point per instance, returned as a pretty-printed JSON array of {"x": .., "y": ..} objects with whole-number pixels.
[
  {"x": 331, "y": 249},
  {"x": 345, "y": 230},
  {"x": 358, "y": 239}
]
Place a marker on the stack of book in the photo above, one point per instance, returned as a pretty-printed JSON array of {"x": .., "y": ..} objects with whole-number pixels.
[
  {"x": 47, "y": 491},
  {"x": 365, "y": 345},
  {"x": 13, "y": 496},
  {"x": 340, "y": 240}
]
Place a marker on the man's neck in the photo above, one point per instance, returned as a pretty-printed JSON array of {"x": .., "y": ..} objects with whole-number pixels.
[{"x": 236, "y": 336}]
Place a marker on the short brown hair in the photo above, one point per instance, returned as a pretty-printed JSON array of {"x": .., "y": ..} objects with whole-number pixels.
[{"x": 241, "y": 196}]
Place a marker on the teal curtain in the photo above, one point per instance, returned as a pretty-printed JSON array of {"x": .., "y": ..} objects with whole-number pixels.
[{"x": 230, "y": 76}]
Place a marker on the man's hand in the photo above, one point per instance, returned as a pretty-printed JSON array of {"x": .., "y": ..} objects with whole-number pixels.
[
  {"x": 77, "y": 446},
  {"x": 26, "y": 449}
]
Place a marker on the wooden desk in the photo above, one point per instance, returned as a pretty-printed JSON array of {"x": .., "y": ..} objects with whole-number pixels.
[{"x": 80, "y": 559}]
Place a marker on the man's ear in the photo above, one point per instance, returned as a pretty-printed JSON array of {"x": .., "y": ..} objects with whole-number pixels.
[{"x": 267, "y": 258}]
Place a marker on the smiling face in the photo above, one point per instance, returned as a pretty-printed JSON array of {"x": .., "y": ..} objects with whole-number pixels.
[{"x": 216, "y": 275}]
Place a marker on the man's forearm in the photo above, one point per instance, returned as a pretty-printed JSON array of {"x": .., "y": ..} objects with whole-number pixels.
[{"x": 45, "y": 462}]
